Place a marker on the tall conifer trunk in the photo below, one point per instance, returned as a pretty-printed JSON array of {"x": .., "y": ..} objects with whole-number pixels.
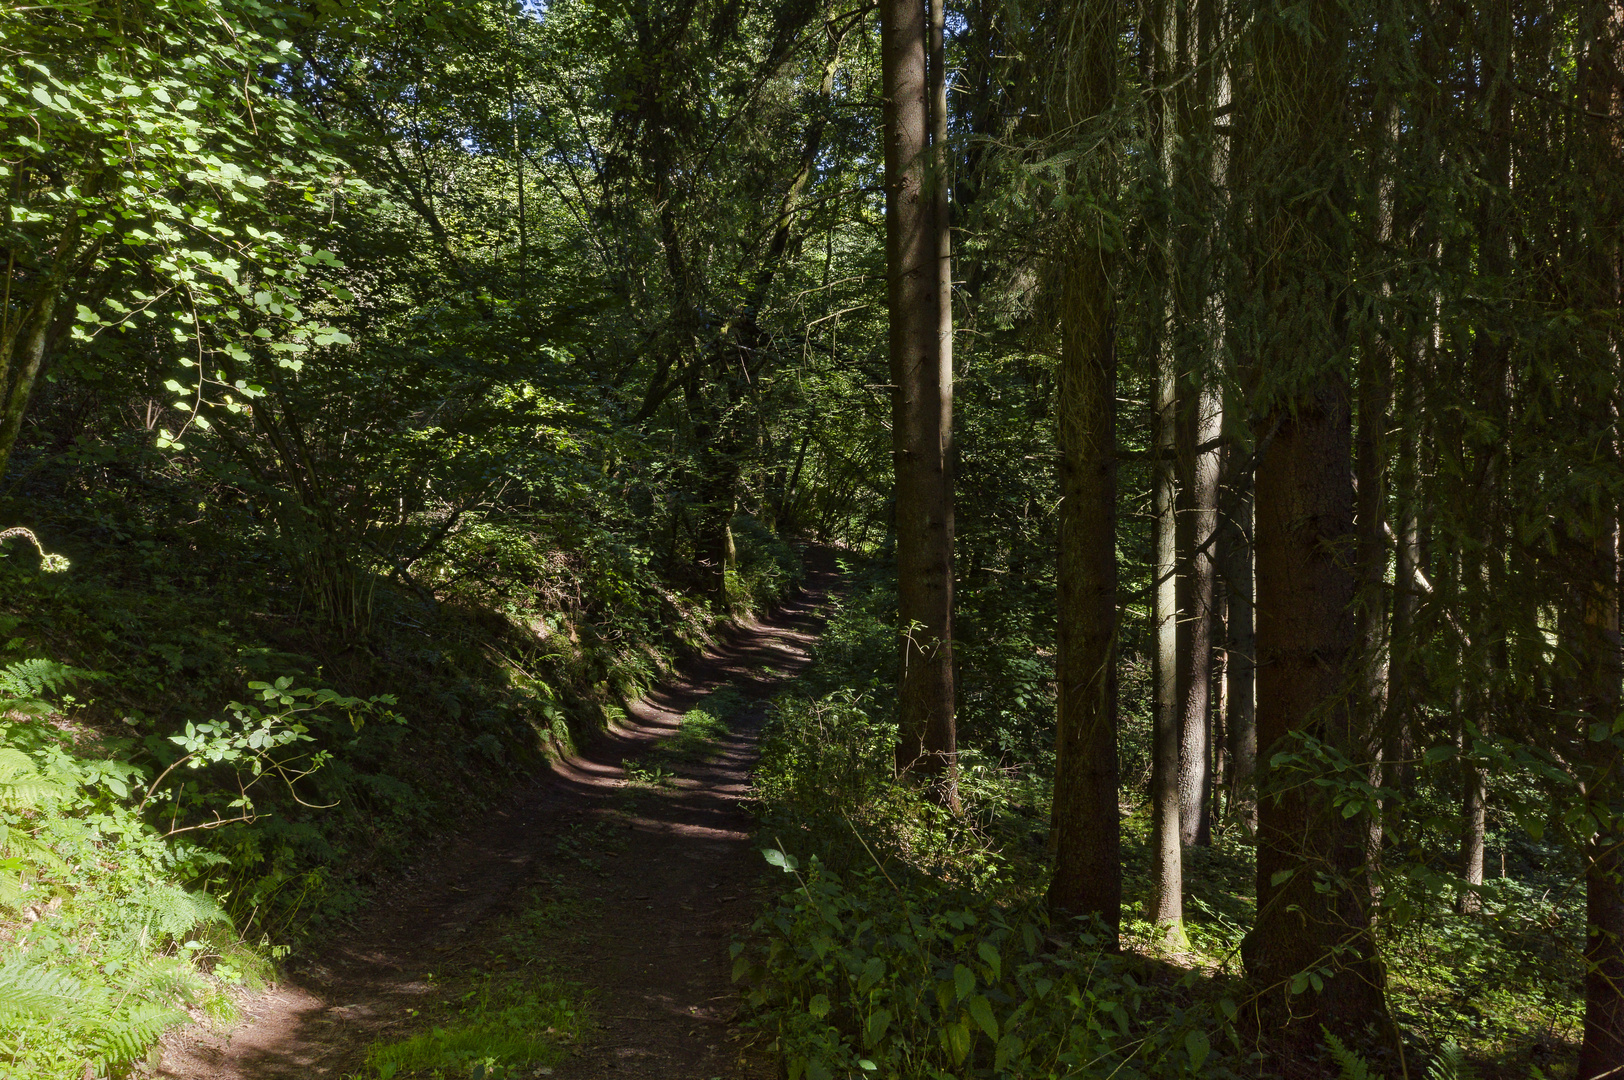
[
  {"x": 1312, "y": 900},
  {"x": 1085, "y": 828},
  {"x": 1596, "y": 586},
  {"x": 916, "y": 256},
  {"x": 1166, "y": 904},
  {"x": 1240, "y": 666},
  {"x": 1198, "y": 337},
  {"x": 1199, "y": 425}
]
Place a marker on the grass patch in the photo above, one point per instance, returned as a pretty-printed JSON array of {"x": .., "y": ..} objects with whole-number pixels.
[
  {"x": 504, "y": 1016},
  {"x": 695, "y": 739}
]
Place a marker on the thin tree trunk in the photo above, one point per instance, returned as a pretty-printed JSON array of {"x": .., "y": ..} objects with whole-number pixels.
[
  {"x": 1200, "y": 425},
  {"x": 1473, "y": 819},
  {"x": 1166, "y": 904},
  {"x": 921, "y": 401},
  {"x": 1085, "y": 825},
  {"x": 20, "y": 369},
  {"x": 1240, "y": 667}
]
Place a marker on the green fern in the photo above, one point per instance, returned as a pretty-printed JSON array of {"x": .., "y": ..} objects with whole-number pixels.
[
  {"x": 26, "y": 684},
  {"x": 1352, "y": 1066},
  {"x": 1450, "y": 1064},
  {"x": 28, "y": 989},
  {"x": 22, "y": 785},
  {"x": 120, "y": 1029},
  {"x": 168, "y": 911},
  {"x": 126, "y": 1037}
]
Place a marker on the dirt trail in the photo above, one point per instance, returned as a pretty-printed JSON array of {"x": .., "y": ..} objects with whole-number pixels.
[{"x": 657, "y": 913}]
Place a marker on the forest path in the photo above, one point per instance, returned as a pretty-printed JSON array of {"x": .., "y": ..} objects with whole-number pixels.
[{"x": 632, "y": 891}]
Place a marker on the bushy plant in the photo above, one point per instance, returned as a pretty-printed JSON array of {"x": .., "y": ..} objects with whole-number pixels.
[{"x": 858, "y": 975}]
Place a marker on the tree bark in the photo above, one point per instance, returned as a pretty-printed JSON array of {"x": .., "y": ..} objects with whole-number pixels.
[
  {"x": 19, "y": 367},
  {"x": 1085, "y": 825},
  {"x": 1312, "y": 913},
  {"x": 1200, "y": 424},
  {"x": 1240, "y": 667},
  {"x": 1166, "y": 904},
  {"x": 1313, "y": 930},
  {"x": 1597, "y": 659},
  {"x": 1473, "y": 820},
  {"x": 921, "y": 410}
]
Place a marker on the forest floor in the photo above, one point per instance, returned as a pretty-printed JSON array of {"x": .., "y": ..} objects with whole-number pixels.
[{"x": 615, "y": 892}]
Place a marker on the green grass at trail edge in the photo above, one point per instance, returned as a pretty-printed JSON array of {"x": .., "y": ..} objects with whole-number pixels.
[
  {"x": 695, "y": 739},
  {"x": 503, "y": 1017}
]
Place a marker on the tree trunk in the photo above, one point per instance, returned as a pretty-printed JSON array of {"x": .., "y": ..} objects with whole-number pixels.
[
  {"x": 1200, "y": 423},
  {"x": 19, "y": 367},
  {"x": 1166, "y": 905},
  {"x": 1312, "y": 932},
  {"x": 1601, "y": 1053},
  {"x": 1085, "y": 828},
  {"x": 921, "y": 409},
  {"x": 1312, "y": 912},
  {"x": 1593, "y": 692},
  {"x": 1240, "y": 667},
  {"x": 1473, "y": 818}
]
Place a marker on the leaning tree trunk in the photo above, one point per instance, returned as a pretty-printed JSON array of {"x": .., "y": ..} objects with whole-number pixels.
[
  {"x": 921, "y": 404},
  {"x": 1085, "y": 827}
]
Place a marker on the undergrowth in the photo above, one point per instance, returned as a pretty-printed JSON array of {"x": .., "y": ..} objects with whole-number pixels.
[
  {"x": 198, "y": 772},
  {"x": 105, "y": 945},
  {"x": 908, "y": 942}
]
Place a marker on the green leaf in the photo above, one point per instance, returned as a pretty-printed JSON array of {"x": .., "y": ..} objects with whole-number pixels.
[
  {"x": 782, "y": 860},
  {"x": 964, "y": 981},
  {"x": 818, "y": 1006},
  {"x": 989, "y": 954},
  {"x": 1197, "y": 1046},
  {"x": 878, "y": 1022},
  {"x": 981, "y": 1012},
  {"x": 1435, "y": 754}
]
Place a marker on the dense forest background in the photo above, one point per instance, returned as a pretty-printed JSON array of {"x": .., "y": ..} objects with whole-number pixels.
[{"x": 1223, "y": 392}]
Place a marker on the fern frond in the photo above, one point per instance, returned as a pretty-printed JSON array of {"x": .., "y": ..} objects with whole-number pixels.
[
  {"x": 22, "y": 785},
  {"x": 33, "y": 679},
  {"x": 27, "y": 988},
  {"x": 126, "y": 1037},
  {"x": 1352, "y": 1066},
  {"x": 1450, "y": 1064},
  {"x": 170, "y": 911}
]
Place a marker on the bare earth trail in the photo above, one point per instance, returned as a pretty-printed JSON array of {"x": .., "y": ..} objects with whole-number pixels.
[{"x": 656, "y": 913}]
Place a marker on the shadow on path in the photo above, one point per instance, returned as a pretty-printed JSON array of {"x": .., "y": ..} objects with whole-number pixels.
[{"x": 659, "y": 909}]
